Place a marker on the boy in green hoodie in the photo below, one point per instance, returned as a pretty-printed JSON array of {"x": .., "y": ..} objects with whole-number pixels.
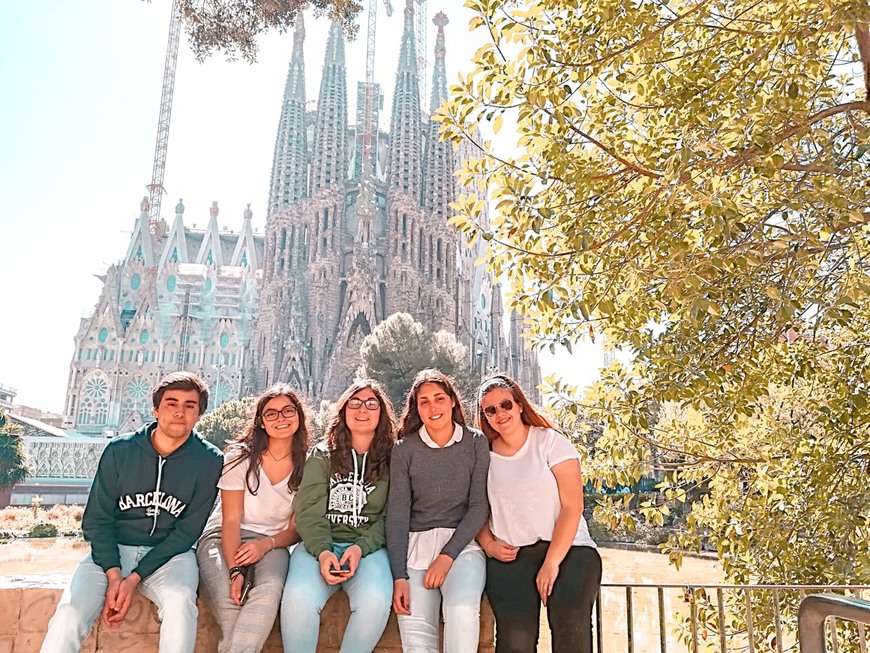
[{"x": 149, "y": 502}]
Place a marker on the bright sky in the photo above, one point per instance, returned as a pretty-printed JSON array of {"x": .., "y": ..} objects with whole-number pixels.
[{"x": 81, "y": 83}]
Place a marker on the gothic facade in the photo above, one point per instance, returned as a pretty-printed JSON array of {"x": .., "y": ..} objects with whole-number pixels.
[{"x": 356, "y": 229}]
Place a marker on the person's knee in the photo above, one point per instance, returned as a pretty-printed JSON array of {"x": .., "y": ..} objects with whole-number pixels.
[
  {"x": 374, "y": 603},
  {"x": 298, "y": 600},
  {"x": 70, "y": 618},
  {"x": 179, "y": 600}
]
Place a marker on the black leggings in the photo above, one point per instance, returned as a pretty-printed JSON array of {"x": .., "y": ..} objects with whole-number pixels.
[{"x": 516, "y": 604}]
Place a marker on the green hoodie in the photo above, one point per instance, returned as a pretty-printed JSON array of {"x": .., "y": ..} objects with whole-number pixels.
[{"x": 331, "y": 508}]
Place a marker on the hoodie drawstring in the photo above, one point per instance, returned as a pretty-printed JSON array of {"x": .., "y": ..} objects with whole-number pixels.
[
  {"x": 358, "y": 476},
  {"x": 160, "y": 463}
]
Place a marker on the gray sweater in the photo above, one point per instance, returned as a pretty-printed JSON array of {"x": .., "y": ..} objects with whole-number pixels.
[{"x": 436, "y": 488}]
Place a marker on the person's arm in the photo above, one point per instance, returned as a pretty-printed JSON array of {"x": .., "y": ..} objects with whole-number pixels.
[
  {"x": 494, "y": 547},
  {"x": 188, "y": 527},
  {"x": 478, "y": 504},
  {"x": 311, "y": 502},
  {"x": 253, "y": 551},
  {"x": 99, "y": 521},
  {"x": 569, "y": 480},
  {"x": 232, "y": 509},
  {"x": 398, "y": 517}
]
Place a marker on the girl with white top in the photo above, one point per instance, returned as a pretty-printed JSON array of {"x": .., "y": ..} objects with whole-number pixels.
[
  {"x": 253, "y": 522},
  {"x": 437, "y": 505},
  {"x": 537, "y": 542}
]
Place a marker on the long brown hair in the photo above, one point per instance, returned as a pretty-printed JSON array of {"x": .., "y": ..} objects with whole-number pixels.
[
  {"x": 253, "y": 441},
  {"x": 529, "y": 416},
  {"x": 338, "y": 437},
  {"x": 411, "y": 420}
]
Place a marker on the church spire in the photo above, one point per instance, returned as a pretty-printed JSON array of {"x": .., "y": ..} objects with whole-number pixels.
[
  {"x": 288, "y": 165},
  {"x": 404, "y": 169},
  {"x": 329, "y": 167},
  {"x": 439, "y": 185}
]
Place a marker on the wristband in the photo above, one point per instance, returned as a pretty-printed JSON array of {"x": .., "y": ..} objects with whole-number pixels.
[
  {"x": 234, "y": 571},
  {"x": 272, "y": 539}
]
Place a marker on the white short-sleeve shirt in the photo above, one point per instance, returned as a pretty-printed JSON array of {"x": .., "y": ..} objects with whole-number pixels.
[
  {"x": 267, "y": 512},
  {"x": 523, "y": 493}
]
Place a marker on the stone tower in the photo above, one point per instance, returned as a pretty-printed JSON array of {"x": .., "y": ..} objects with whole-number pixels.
[
  {"x": 349, "y": 240},
  {"x": 182, "y": 299}
]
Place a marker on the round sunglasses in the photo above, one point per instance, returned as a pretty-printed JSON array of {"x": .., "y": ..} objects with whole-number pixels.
[{"x": 505, "y": 404}]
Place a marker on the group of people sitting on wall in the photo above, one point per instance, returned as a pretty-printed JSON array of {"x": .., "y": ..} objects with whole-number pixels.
[{"x": 420, "y": 516}]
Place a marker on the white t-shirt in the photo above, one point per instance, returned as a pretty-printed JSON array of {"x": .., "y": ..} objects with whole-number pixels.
[
  {"x": 523, "y": 493},
  {"x": 267, "y": 512}
]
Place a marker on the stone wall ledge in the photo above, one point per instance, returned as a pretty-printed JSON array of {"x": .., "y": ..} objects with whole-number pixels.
[{"x": 28, "y": 603}]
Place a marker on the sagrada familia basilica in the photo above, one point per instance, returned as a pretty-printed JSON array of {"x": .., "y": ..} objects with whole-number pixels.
[{"x": 351, "y": 237}]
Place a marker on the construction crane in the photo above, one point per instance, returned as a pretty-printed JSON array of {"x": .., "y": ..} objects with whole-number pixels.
[
  {"x": 155, "y": 188},
  {"x": 367, "y": 134}
]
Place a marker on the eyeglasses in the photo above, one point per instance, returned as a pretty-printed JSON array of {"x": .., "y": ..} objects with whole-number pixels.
[
  {"x": 288, "y": 412},
  {"x": 371, "y": 403},
  {"x": 505, "y": 404}
]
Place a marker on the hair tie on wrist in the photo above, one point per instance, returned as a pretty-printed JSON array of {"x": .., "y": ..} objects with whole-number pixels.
[{"x": 234, "y": 571}]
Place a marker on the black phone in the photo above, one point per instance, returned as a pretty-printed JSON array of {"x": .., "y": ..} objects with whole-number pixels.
[{"x": 247, "y": 583}]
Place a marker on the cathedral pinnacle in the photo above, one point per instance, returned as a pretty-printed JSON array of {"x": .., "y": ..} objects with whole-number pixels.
[
  {"x": 299, "y": 33},
  {"x": 248, "y": 214},
  {"x": 214, "y": 210},
  {"x": 179, "y": 208}
]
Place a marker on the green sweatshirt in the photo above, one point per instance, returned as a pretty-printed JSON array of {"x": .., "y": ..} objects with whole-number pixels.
[{"x": 340, "y": 509}]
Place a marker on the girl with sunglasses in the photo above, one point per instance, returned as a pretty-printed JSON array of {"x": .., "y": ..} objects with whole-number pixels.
[
  {"x": 252, "y": 523},
  {"x": 537, "y": 543},
  {"x": 340, "y": 512},
  {"x": 437, "y": 505}
]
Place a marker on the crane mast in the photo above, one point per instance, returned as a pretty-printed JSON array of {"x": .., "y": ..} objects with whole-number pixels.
[
  {"x": 155, "y": 188},
  {"x": 368, "y": 128}
]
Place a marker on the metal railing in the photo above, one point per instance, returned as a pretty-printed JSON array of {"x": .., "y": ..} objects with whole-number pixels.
[
  {"x": 714, "y": 618},
  {"x": 814, "y": 612}
]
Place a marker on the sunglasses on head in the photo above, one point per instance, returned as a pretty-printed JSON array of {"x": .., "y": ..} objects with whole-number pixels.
[{"x": 505, "y": 404}]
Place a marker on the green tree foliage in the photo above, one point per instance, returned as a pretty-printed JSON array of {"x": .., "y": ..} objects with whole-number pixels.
[
  {"x": 690, "y": 180},
  {"x": 232, "y": 27},
  {"x": 13, "y": 463},
  {"x": 399, "y": 347},
  {"x": 226, "y": 421}
]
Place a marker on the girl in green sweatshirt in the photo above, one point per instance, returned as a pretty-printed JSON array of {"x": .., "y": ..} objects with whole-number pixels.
[{"x": 340, "y": 514}]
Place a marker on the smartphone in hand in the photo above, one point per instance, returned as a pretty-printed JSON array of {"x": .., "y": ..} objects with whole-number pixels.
[{"x": 247, "y": 583}]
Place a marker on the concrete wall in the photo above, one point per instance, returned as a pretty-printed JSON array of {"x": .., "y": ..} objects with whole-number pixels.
[{"x": 25, "y": 611}]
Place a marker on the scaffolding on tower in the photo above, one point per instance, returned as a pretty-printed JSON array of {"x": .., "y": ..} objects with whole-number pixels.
[
  {"x": 420, "y": 40},
  {"x": 155, "y": 188}
]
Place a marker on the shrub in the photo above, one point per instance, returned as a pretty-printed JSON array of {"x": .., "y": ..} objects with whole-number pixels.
[{"x": 43, "y": 529}]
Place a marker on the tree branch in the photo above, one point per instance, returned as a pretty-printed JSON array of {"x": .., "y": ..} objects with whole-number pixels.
[{"x": 862, "y": 35}]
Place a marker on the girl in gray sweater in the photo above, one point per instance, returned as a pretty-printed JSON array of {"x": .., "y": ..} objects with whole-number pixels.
[{"x": 437, "y": 505}]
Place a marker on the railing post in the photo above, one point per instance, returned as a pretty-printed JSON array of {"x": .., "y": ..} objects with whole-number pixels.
[{"x": 816, "y": 608}]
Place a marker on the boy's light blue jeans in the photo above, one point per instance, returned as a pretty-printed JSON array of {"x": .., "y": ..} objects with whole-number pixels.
[
  {"x": 172, "y": 588},
  {"x": 370, "y": 592},
  {"x": 459, "y": 600}
]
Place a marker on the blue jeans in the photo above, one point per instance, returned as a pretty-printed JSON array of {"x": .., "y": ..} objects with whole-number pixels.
[
  {"x": 172, "y": 588},
  {"x": 370, "y": 592},
  {"x": 458, "y": 598}
]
